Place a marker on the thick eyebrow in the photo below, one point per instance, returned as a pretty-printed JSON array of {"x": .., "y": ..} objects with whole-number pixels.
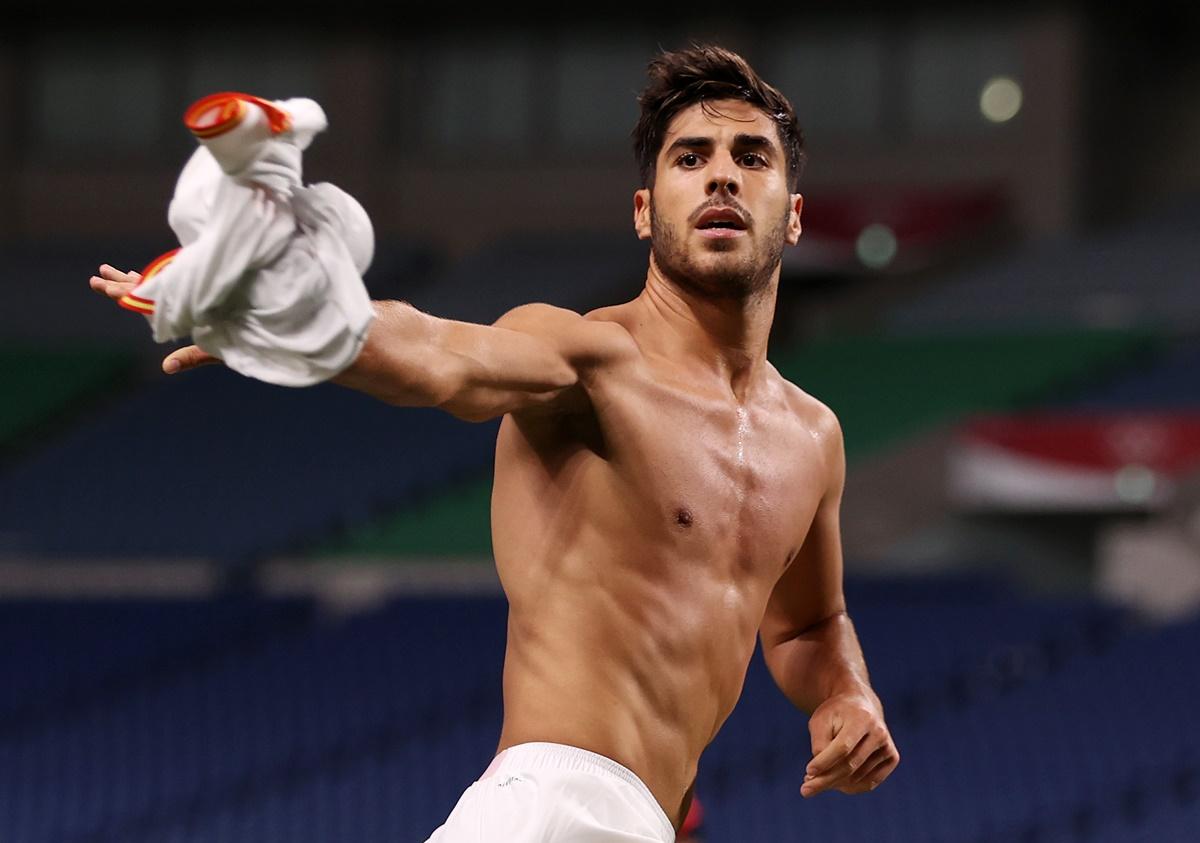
[
  {"x": 754, "y": 142},
  {"x": 741, "y": 141},
  {"x": 689, "y": 143}
]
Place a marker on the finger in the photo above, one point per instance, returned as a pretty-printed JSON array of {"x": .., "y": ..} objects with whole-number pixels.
[
  {"x": 837, "y": 750},
  {"x": 871, "y": 783},
  {"x": 867, "y": 753},
  {"x": 813, "y": 786},
  {"x": 112, "y": 289},
  {"x": 874, "y": 776},
  {"x": 873, "y": 760},
  {"x": 823, "y": 733},
  {"x": 864, "y": 786},
  {"x": 111, "y": 273},
  {"x": 871, "y": 777},
  {"x": 838, "y": 773},
  {"x": 862, "y": 753},
  {"x": 189, "y": 357}
]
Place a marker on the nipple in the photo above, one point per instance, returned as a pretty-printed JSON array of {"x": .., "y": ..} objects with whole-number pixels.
[{"x": 683, "y": 518}]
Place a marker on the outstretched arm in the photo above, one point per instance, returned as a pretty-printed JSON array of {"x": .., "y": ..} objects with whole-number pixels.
[
  {"x": 534, "y": 356},
  {"x": 814, "y": 656}
]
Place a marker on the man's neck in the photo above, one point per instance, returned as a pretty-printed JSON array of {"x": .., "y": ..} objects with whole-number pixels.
[{"x": 727, "y": 335}]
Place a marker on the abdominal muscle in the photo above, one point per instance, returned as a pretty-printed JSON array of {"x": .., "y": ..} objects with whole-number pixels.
[
  {"x": 637, "y": 570},
  {"x": 636, "y": 664}
]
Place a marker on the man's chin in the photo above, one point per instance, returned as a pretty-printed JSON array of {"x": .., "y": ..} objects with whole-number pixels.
[
  {"x": 716, "y": 263},
  {"x": 721, "y": 244},
  {"x": 724, "y": 280}
]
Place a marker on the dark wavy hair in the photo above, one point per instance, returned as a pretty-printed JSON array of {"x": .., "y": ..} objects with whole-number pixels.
[{"x": 701, "y": 73}]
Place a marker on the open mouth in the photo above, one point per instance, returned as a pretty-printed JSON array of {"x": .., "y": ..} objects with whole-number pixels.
[{"x": 720, "y": 222}]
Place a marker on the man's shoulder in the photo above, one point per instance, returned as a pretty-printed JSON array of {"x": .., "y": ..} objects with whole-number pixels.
[
  {"x": 808, "y": 409},
  {"x": 598, "y": 335},
  {"x": 816, "y": 421},
  {"x": 612, "y": 326}
]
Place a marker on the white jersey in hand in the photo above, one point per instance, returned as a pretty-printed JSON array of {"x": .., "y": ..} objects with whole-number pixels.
[{"x": 269, "y": 274}]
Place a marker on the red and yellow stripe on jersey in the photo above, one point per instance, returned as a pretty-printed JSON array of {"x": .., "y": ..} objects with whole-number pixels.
[
  {"x": 134, "y": 302},
  {"x": 216, "y": 114}
]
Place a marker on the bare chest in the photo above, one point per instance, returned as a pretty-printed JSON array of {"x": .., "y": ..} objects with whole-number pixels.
[{"x": 733, "y": 483}]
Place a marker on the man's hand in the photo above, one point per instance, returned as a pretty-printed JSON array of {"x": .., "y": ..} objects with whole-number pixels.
[
  {"x": 852, "y": 749},
  {"x": 188, "y": 357},
  {"x": 114, "y": 283}
]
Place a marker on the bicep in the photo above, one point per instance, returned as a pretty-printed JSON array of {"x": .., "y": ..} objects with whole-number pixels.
[
  {"x": 575, "y": 340},
  {"x": 810, "y": 590},
  {"x": 473, "y": 371},
  {"x": 531, "y": 358}
]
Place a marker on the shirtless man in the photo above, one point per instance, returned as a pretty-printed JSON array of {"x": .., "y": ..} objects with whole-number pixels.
[{"x": 663, "y": 497}]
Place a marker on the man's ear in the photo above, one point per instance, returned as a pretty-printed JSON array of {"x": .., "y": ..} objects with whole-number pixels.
[
  {"x": 793, "y": 226},
  {"x": 641, "y": 213}
]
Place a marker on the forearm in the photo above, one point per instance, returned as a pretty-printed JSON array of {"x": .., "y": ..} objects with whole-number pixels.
[
  {"x": 397, "y": 360},
  {"x": 824, "y": 660},
  {"x": 413, "y": 359}
]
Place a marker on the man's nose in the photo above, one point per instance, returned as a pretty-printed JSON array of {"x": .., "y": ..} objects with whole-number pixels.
[{"x": 724, "y": 178}]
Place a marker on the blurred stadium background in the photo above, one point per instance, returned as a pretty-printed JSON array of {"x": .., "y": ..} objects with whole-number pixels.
[{"x": 235, "y": 612}]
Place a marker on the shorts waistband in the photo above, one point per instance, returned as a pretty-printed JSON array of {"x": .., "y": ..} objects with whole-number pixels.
[{"x": 557, "y": 756}]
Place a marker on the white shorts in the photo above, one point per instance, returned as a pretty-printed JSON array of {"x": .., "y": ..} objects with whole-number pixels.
[{"x": 553, "y": 793}]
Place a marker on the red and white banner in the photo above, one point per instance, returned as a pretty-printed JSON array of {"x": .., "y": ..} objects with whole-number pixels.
[{"x": 1073, "y": 461}]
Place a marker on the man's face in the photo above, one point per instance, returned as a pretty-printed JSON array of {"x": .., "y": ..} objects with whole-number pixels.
[{"x": 720, "y": 212}]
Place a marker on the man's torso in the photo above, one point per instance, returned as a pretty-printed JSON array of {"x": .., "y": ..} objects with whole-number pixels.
[{"x": 638, "y": 544}]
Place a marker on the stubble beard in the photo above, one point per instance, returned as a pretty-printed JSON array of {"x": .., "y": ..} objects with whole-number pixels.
[{"x": 732, "y": 277}]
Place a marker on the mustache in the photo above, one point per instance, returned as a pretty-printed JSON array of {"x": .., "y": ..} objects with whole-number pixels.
[{"x": 725, "y": 201}]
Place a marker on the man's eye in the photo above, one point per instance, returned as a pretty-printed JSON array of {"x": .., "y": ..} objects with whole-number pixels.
[
  {"x": 689, "y": 159},
  {"x": 753, "y": 159}
]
